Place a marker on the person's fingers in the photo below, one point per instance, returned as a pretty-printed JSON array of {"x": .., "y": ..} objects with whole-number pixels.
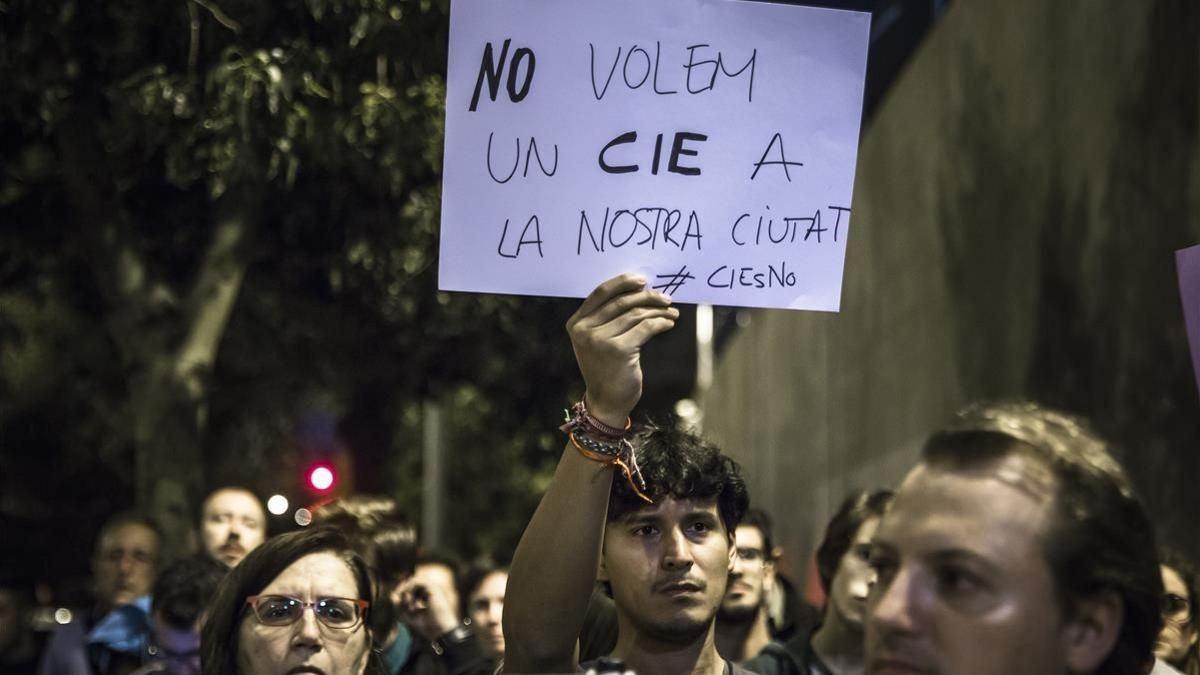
[
  {"x": 622, "y": 283},
  {"x": 622, "y": 324},
  {"x": 641, "y": 333},
  {"x": 623, "y": 303}
]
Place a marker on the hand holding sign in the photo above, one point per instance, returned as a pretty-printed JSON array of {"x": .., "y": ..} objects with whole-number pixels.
[
  {"x": 608, "y": 332},
  {"x": 707, "y": 144}
]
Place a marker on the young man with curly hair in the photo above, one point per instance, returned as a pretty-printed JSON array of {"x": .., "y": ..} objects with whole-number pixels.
[{"x": 651, "y": 514}]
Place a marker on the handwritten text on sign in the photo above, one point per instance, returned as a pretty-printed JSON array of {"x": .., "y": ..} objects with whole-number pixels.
[{"x": 708, "y": 144}]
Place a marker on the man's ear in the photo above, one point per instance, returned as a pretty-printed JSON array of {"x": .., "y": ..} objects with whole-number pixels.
[
  {"x": 601, "y": 569},
  {"x": 1091, "y": 632},
  {"x": 732, "y": 551}
]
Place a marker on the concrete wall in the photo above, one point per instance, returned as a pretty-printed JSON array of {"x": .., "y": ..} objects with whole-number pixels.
[{"x": 1020, "y": 194}]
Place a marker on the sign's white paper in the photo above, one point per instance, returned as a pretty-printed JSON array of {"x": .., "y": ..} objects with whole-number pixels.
[{"x": 708, "y": 144}]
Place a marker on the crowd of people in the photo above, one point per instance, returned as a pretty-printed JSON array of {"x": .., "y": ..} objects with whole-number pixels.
[{"x": 1016, "y": 544}]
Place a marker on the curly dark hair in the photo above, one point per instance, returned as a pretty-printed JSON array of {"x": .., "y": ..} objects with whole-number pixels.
[
  {"x": 183, "y": 590},
  {"x": 1101, "y": 538},
  {"x": 677, "y": 463},
  {"x": 856, "y": 509}
]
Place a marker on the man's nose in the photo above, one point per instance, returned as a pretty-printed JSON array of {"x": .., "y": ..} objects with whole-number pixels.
[
  {"x": 893, "y": 606},
  {"x": 676, "y": 551}
]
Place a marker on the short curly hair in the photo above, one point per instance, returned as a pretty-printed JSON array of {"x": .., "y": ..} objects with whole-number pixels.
[{"x": 679, "y": 464}]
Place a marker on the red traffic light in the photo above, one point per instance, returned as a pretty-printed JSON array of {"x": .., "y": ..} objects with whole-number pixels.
[{"x": 321, "y": 477}]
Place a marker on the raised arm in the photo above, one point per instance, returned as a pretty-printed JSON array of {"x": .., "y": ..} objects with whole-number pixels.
[{"x": 555, "y": 564}]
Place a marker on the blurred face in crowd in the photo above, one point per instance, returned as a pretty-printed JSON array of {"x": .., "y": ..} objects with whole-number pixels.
[
  {"x": 124, "y": 564},
  {"x": 440, "y": 577},
  {"x": 668, "y": 565},
  {"x": 485, "y": 608},
  {"x": 299, "y": 641},
  {"x": 751, "y": 577},
  {"x": 854, "y": 577},
  {"x": 963, "y": 584},
  {"x": 233, "y": 523},
  {"x": 1178, "y": 631}
]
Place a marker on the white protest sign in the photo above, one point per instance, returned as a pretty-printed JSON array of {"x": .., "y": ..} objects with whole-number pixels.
[{"x": 707, "y": 144}]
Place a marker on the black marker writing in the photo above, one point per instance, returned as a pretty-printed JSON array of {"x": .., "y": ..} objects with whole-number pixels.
[
  {"x": 490, "y": 70},
  {"x": 782, "y": 161},
  {"x": 530, "y": 151},
  {"x": 535, "y": 240}
]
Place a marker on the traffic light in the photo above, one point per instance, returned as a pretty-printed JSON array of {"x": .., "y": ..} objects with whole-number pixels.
[{"x": 321, "y": 478}]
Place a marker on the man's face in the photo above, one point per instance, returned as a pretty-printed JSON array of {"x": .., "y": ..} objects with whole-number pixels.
[
  {"x": 1178, "y": 632},
  {"x": 854, "y": 576},
  {"x": 752, "y": 575},
  {"x": 124, "y": 564},
  {"x": 963, "y": 585},
  {"x": 668, "y": 565},
  {"x": 233, "y": 524},
  {"x": 485, "y": 608},
  {"x": 438, "y": 576}
]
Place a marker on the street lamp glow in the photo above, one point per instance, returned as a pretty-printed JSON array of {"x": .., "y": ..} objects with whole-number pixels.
[
  {"x": 277, "y": 505},
  {"x": 321, "y": 478}
]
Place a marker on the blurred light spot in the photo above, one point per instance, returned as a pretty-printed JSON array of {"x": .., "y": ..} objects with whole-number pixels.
[
  {"x": 321, "y": 478},
  {"x": 62, "y": 616},
  {"x": 277, "y": 504},
  {"x": 687, "y": 410},
  {"x": 303, "y": 517}
]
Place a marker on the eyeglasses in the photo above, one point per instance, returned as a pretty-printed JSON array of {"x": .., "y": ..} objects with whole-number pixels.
[
  {"x": 1175, "y": 606},
  {"x": 282, "y": 610}
]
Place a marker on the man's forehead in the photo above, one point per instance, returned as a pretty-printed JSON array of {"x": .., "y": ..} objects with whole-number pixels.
[
  {"x": 128, "y": 536},
  {"x": 749, "y": 536},
  {"x": 672, "y": 507},
  {"x": 982, "y": 512},
  {"x": 232, "y": 499}
]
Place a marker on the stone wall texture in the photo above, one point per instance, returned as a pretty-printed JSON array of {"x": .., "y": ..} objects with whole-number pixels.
[{"x": 1020, "y": 195}]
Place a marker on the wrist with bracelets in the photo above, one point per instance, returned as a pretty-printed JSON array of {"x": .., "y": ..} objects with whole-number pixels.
[{"x": 606, "y": 444}]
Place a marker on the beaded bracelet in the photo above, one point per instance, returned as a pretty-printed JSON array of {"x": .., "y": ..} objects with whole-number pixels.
[
  {"x": 606, "y": 444},
  {"x": 579, "y": 418}
]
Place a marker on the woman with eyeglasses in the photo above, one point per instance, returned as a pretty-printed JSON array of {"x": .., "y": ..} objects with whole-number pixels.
[
  {"x": 296, "y": 604},
  {"x": 1179, "y": 641}
]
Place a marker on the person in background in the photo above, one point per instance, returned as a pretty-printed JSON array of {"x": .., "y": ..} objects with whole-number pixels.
[
  {"x": 485, "y": 609},
  {"x": 415, "y": 635},
  {"x": 846, "y": 576},
  {"x": 111, "y": 639},
  {"x": 180, "y": 600},
  {"x": 429, "y": 605},
  {"x": 1178, "y": 642},
  {"x": 297, "y": 604},
  {"x": 20, "y": 645},
  {"x": 743, "y": 627},
  {"x": 232, "y": 523},
  {"x": 1016, "y": 545}
]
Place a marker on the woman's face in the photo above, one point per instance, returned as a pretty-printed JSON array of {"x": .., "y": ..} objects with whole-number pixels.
[
  {"x": 486, "y": 609},
  {"x": 308, "y": 645},
  {"x": 1178, "y": 632}
]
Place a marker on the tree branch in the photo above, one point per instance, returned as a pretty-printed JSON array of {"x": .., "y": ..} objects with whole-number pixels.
[{"x": 221, "y": 17}]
